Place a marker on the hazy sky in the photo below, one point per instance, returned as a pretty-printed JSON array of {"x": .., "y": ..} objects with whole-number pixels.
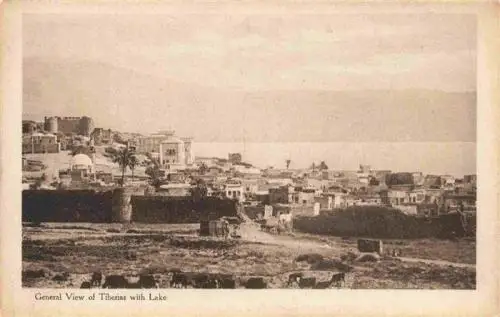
[
  {"x": 265, "y": 78},
  {"x": 325, "y": 52}
]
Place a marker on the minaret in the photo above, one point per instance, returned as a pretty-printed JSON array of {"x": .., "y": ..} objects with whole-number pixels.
[{"x": 92, "y": 156}]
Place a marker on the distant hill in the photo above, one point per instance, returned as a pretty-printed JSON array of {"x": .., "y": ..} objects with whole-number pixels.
[{"x": 125, "y": 100}]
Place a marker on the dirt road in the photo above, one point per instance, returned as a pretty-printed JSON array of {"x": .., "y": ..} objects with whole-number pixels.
[
  {"x": 252, "y": 233},
  {"x": 438, "y": 262}
]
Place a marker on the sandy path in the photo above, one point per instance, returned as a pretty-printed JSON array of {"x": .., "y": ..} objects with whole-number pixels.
[
  {"x": 251, "y": 233},
  {"x": 438, "y": 262}
]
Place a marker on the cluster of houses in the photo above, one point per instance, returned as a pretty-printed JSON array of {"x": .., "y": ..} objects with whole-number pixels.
[
  {"x": 317, "y": 188},
  {"x": 412, "y": 193}
]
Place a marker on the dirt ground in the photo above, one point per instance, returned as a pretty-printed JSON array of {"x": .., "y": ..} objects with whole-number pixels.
[{"x": 130, "y": 250}]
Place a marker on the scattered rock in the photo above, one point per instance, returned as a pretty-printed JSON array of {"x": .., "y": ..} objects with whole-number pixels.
[
  {"x": 310, "y": 258},
  {"x": 331, "y": 264},
  {"x": 349, "y": 256},
  {"x": 131, "y": 255},
  {"x": 61, "y": 277},
  {"x": 34, "y": 274},
  {"x": 85, "y": 284},
  {"x": 368, "y": 257}
]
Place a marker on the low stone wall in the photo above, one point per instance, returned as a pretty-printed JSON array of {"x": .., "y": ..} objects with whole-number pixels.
[
  {"x": 119, "y": 205},
  {"x": 66, "y": 206},
  {"x": 168, "y": 209},
  {"x": 369, "y": 221}
]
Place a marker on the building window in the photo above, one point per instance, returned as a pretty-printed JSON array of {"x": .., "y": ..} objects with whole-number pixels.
[{"x": 170, "y": 151}]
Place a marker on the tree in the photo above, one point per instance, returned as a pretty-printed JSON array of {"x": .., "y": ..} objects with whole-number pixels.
[
  {"x": 154, "y": 174},
  {"x": 199, "y": 190},
  {"x": 288, "y": 163},
  {"x": 132, "y": 164},
  {"x": 373, "y": 181},
  {"x": 203, "y": 168},
  {"x": 153, "y": 171},
  {"x": 123, "y": 157},
  {"x": 323, "y": 166}
]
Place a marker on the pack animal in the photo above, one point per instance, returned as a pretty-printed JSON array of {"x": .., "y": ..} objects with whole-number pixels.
[
  {"x": 204, "y": 280},
  {"x": 307, "y": 282},
  {"x": 294, "y": 277},
  {"x": 339, "y": 278},
  {"x": 255, "y": 283},
  {"x": 179, "y": 280},
  {"x": 147, "y": 281},
  {"x": 225, "y": 281},
  {"x": 96, "y": 279},
  {"x": 115, "y": 281}
]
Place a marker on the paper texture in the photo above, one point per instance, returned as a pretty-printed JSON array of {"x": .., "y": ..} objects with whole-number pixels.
[{"x": 366, "y": 92}]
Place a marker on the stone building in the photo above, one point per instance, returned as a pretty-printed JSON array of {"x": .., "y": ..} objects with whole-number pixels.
[
  {"x": 173, "y": 152},
  {"x": 69, "y": 125},
  {"x": 40, "y": 143}
]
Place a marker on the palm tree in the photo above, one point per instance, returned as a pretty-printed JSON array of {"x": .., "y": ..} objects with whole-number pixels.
[
  {"x": 123, "y": 157},
  {"x": 288, "y": 163},
  {"x": 153, "y": 171},
  {"x": 132, "y": 164}
]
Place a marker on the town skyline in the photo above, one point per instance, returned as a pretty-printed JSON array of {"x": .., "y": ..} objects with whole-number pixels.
[{"x": 393, "y": 156}]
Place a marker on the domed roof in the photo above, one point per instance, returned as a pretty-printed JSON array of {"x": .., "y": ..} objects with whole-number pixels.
[{"x": 81, "y": 159}]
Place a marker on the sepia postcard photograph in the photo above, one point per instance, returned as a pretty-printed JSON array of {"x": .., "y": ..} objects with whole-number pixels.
[{"x": 171, "y": 151}]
